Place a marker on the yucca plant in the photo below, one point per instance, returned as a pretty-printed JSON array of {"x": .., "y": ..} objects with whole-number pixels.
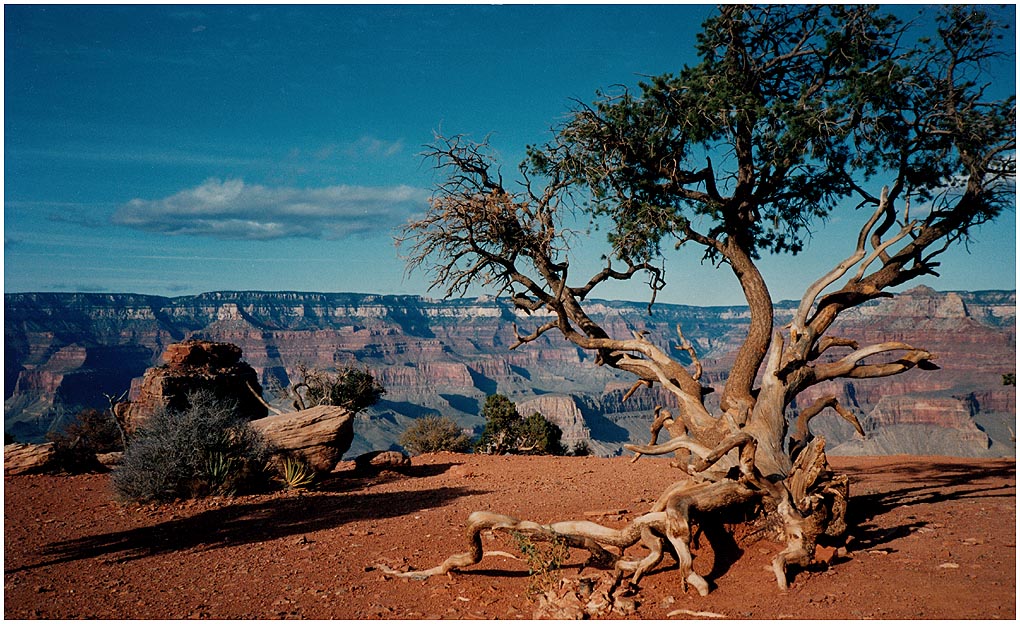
[
  {"x": 296, "y": 474},
  {"x": 218, "y": 473}
]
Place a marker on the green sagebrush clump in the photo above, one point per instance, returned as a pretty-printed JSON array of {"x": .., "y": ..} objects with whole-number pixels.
[
  {"x": 206, "y": 449},
  {"x": 507, "y": 432},
  {"x": 432, "y": 434}
]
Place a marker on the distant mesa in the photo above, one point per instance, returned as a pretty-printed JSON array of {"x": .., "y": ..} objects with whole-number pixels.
[{"x": 65, "y": 350}]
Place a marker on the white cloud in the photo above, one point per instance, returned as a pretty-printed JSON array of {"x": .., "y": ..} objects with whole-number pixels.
[
  {"x": 231, "y": 209},
  {"x": 378, "y": 148}
]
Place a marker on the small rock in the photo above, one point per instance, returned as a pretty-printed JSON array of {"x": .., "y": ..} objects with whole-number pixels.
[
  {"x": 625, "y": 606},
  {"x": 825, "y": 554},
  {"x": 949, "y": 566},
  {"x": 379, "y": 460}
]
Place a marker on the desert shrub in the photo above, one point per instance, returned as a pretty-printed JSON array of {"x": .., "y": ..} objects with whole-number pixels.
[
  {"x": 431, "y": 434},
  {"x": 506, "y": 431},
  {"x": 544, "y": 560},
  {"x": 581, "y": 449},
  {"x": 89, "y": 432},
  {"x": 206, "y": 449},
  {"x": 350, "y": 387}
]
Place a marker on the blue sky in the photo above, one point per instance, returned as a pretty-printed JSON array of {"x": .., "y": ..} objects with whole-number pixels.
[{"x": 182, "y": 149}]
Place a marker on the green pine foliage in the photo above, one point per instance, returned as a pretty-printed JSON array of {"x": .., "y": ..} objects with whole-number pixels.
[{"x": 507, "y": 432}]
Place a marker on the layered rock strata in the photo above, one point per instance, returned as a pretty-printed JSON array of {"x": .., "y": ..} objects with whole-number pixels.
[{"x": 445, "y": 357}]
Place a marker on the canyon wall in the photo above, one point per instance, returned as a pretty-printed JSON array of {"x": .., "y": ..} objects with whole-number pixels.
[{"x": 64, "y": 351}]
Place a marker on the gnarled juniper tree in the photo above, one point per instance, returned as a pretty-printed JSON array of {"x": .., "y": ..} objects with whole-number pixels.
[{"x": 793, "y": 112}]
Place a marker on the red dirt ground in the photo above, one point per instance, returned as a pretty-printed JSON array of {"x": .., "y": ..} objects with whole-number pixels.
[{"x": 932, "y": 538}]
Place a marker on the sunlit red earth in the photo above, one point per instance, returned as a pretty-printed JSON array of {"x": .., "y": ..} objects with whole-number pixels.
[{"x": 933, "y": 538}]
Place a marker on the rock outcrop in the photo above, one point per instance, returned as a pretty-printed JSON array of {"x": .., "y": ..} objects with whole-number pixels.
[
  {"x": 191, "y": 366},
  {"x": 319, "y": 435},
  {"x": 22, "y": 458}
]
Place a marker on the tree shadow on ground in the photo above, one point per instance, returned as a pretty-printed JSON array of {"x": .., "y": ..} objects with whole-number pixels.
[
  {"x": 239, "y": 522},
  {"x": 928, "y": 483},
  {"x": 361, "y": 477}
]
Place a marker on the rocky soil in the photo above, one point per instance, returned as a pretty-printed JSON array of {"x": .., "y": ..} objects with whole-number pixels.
[{"x": 933, "y": 538}]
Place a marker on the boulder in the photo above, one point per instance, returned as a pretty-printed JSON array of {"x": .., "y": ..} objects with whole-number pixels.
[
  {"x": 28, "y": 458},
  {"x": 319, "y": 435},
  {"x": 382, "y": 460},
  {"x": 190, "y": 366}
]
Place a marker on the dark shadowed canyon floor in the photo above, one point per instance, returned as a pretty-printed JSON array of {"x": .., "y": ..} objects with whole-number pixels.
[{"x": 934, "y": 538}]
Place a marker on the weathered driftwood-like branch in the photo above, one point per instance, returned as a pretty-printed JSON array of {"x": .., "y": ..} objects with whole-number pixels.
[
  {"x": 811, "y": 294},
  {"x": 802, "y": 434},
  {"x": 669, "y": 519},
  {"x": 258, "y": 397},
  {"x": 662, "y": 419},
  {"x": 799, "y": 507},
  {"x": 685, "y": 345},
  {"x": 851, "y": 366},
  {"x": 828, "y": 342},
  {"x": 633, "y": 389},
  {"x": 520, "y": 340}
]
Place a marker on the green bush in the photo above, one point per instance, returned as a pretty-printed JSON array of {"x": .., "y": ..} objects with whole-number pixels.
[
  {"x": 206, "y": 449},
  {"x": 581, "y": 449},
  {"x": 507, "y": 432},
  {"x": 431, "y": 434}
]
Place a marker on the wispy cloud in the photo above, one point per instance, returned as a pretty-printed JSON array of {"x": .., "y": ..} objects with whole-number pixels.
[
  {"x": 378, "y": 148},
  {"x": 234, "y": 210}
]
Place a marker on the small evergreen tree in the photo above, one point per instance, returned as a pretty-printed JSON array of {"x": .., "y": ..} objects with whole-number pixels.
[
  {"x": 507, "y": 432},
  {"x": 538, "y": 436},
  {"x": 581, "y": 449}
]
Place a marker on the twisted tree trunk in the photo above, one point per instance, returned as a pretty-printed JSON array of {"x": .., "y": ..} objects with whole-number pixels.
[{"x": 738, "y": 456}]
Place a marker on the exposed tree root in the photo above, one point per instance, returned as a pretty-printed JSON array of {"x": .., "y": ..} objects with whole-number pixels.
[{"x": 805, "y": 505}]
